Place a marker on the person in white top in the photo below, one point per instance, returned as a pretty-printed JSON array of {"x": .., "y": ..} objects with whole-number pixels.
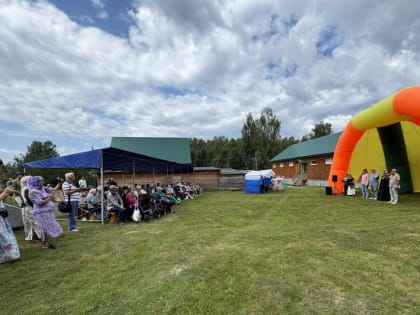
[
  {"x": 70, "y": 189},
  {"x": 394, "y": 185},
  {"x": 82, "y": 182}
]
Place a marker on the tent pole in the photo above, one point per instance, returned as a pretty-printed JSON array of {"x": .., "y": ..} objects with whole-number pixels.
[
  {"x": 103, "y": 188},
  {"x": 134, "y": 176}
]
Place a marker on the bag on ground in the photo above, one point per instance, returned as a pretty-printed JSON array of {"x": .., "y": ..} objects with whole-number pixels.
[
  {"x": 64, "y": 207},
  {"x": 136, "y": 215}
]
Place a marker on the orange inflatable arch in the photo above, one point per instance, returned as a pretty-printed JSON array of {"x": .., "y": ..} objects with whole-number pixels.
[{"x": 386, "y": 135}]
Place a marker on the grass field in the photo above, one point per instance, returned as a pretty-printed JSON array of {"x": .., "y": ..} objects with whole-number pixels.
[{"x": 293, "y": 252}]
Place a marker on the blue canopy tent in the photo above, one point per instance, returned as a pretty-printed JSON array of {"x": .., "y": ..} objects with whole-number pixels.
[
  {"x": 255, "y": 180},
  {"x": 112, "y": 159}
]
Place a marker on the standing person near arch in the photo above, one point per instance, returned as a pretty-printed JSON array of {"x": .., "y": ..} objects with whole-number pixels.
[
  {"x": 383, "y": 191},
  {"x": 394, "y": 185},
  {"x": 373, "y": 183},
  {"x": 364, "y": 183},
  {"x": 70, "y": 189}
]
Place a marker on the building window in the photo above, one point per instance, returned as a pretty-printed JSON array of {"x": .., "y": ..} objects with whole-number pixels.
[
  {"x": 291, "y": 163},
  {"x": 328, "y": 161},
  {"x": 281, "y": 164},
  {"x": 313, "y": 162}
]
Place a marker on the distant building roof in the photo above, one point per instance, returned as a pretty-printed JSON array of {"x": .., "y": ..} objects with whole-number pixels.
[
  {"x": 169, "y": 149},
  {"x": 231, "y": 171},
  {"x": 223, "y": 171},
  {"x": 205, "y": 168},
  {"x": 315, "y": 147}
]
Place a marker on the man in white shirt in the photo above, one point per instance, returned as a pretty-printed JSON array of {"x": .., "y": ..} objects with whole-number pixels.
[{"x": 70, "y": 189}]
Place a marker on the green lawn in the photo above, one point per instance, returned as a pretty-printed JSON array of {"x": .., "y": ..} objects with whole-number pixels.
[{"x": 293, "y": 252}]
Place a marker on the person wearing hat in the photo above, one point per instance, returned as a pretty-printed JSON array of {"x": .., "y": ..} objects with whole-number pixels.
[
  {"x": 116, "y": 204},
  {"x": 43, "y": 207}
]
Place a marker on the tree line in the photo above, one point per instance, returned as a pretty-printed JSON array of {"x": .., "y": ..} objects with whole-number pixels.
[{"x": 261, "y": 141}]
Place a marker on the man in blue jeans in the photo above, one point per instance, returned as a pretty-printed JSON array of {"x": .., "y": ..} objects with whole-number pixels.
[
  {"x": 373, "y": 183},
  {"x": 70, "y": 189}
]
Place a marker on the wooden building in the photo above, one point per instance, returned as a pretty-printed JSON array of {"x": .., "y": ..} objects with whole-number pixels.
[
  {"x": 308, "y": 162},
  {"x": 208, "y": 177},
  {"x": 175, "y": 150}
]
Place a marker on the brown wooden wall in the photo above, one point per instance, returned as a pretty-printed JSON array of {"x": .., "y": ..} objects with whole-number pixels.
[
  {"x": 320, "y": 171},
  {"x": 206, "y": 179}
]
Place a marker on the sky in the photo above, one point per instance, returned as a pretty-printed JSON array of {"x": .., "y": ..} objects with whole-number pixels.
[{"x": 79, "y": 72}]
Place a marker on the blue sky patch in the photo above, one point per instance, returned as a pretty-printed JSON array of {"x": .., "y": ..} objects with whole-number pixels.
[
  {"x": 290, "y": 22},
  {"x": 328, "y": 41},
  {"x": 109, "y": 16},
  {"x": 276, "y": 72},
  {"x": 171, "y": 91}
]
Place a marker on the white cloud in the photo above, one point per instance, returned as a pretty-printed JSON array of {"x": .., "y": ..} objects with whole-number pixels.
[
  {"x": 98, "y": 4},
  {"x": 225, "y": 59}
]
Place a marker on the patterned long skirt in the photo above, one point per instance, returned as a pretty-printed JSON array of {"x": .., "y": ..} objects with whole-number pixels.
[
  {"x": 9, "y": 249},
  {"x": 48, "y": 225}
]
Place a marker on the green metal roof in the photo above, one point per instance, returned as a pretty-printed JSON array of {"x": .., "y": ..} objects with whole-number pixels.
[
  {"x": 169, "y": 149},
  {"x": 315, "y": 147}
]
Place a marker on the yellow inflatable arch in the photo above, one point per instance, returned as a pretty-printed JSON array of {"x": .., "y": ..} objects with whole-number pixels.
[{"x": 386, "y": 135}]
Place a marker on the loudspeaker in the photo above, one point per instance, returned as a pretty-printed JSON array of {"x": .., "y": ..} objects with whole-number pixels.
[
  {"x": 334, "y": 178},
  {"x": 328, "y": 190}
]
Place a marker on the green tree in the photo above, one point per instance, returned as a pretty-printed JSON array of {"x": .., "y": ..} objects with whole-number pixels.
[
  {"x": 261, "y": 139},
  {"x": 198, "y": 151},
  {"x": 235, "y": 154},
  {"x": 319, "y": 130},
  {"x": 259, "y": 143},
  {"x": 37, "y": 150}
]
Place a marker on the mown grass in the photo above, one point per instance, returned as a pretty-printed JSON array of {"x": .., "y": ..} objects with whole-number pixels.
[{"x": 293, "y": 252}]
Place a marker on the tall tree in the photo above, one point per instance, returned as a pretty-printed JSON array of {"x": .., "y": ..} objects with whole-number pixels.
[
  {"x": 261, "y": 139},
  {"x": 198, "y": 152},
  {"x": 319, "y": 130},
  {"x": 40, "y": 150},
  {"x": 37, "y": 151}
]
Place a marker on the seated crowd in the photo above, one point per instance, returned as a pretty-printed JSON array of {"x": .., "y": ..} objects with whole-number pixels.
[{"x": 151, "y": 200}]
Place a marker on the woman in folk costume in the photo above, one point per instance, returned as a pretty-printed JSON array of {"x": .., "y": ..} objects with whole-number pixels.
[
  {"x": 9, "y": 249},
  {"x": 29, "y": 222},
  {"x": 42, "y": 198}
]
